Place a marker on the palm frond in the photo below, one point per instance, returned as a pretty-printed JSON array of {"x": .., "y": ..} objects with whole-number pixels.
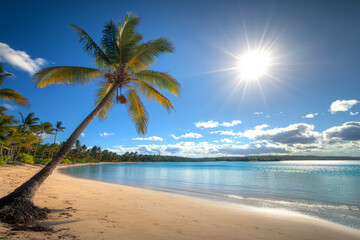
[
  {"x": 65, "y": 75},
  {"x": 100, "y": 94},
  {"x": 127, "y": 38},
  {"x": 91, "y": 48},
  {"x": 137, "y": 111},
  {"x": 160, "y": 80},
  {"x": 3, "y": 75},
  {"x": 147, "y": 53},
  {"x": 108, "y": 41},
  {"x": 153, "y": 95},
  {"x": 12, "y": 95}
]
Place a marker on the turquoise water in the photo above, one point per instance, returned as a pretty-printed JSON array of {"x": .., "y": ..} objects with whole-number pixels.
[{"x": 325, "y": 189}]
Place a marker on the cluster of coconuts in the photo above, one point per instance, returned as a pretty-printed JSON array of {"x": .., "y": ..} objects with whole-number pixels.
[{"x": 121, "y": 99}]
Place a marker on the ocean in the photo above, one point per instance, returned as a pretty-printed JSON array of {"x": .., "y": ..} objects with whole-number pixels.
[{"x": 328, "y": 190}]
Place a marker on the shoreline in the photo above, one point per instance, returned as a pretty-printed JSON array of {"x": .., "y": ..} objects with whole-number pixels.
[{"x": 90, "y": 209}]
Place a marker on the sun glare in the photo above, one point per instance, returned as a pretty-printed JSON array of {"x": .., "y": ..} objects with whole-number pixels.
[{"x": 253, "y": 65}]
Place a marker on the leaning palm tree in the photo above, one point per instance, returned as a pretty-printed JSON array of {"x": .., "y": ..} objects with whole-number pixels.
[
  {"x": 11, "y": 94},
  {"x": 123, "y": 63}
]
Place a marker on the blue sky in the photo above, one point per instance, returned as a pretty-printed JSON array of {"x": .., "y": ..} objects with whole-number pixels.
[{"x": 309, "y": 104}]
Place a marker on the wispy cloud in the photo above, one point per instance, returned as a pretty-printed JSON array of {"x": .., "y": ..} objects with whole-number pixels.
[
  {"x": 226, "y": 133},
  {"x": 258, "y": 113},
  {"x": 187, "y": 135},
  {"x": 354, "y": 113},
  {"x": 231, "y": 124},
  {"x": 20, "y": 59},
  {"x": 310, "y": 115},
  {"x": 342, "y": 105},
  {"x": 82, "y": 134},
  {"x": 208, "y": 124},
  {"x": 152, "y": 138},
  {"x": 105, "y": 134},
  {"x": 9, "y": 106},
  {"x": 226, "y": 140}
]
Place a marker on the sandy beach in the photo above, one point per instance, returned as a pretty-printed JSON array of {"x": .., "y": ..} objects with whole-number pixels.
[{"x": 86, "y": 209}]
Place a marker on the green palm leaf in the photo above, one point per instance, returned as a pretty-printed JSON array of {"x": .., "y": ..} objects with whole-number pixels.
[
  {"x": 100, "y": 94},
  {"x": 91, "y": 48},
  {"x": 160, "y": 80},
  {"x": 147, "y": 53},
  {"x": 12, "y": 95},
  {"x": 137, "y": 111},
  {"x": 65, "y": 75},
  {"x": 153, "y": 95}
]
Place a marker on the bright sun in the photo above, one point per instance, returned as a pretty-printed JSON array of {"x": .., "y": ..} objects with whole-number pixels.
[{"x": 253, "y": 65}]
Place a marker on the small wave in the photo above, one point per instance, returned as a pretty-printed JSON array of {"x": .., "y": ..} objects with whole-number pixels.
[{"x": 297, "y": 204}]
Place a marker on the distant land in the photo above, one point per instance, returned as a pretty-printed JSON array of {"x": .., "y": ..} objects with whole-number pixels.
[{"x": 158, "y": 158}]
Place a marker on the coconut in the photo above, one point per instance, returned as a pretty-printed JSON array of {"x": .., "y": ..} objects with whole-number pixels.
[{"x": 122, "y": 99}]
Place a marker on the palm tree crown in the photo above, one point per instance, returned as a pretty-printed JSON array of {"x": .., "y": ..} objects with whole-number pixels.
[{"x": 123, "y": 62}]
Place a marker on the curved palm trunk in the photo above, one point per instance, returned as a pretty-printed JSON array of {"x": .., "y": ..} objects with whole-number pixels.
[{"x": 18, "y": 207}]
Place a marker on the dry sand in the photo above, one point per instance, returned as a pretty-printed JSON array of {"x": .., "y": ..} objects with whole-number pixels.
[{"x": 86, "y": 209}]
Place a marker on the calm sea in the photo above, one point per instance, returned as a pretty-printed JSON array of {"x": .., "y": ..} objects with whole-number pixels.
[{"x": 325, "y": 189}]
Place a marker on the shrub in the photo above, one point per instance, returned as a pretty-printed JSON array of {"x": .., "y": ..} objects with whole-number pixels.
[
  {"x": 26, "y": 158},
  {"x": 2, "y": 161},
  {"x": 66, "y": 161},
  {"x": 43, "y": 160}
]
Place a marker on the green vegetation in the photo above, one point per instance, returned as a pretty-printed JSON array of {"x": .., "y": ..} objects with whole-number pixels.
[{"x": 26, "y": 158}]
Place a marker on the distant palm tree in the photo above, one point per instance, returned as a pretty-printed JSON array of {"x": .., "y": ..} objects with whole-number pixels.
[
  {"x": 58, "y": 128},
  {"x": 11, "y": 94},
  {"x": 29, "y": 122},
  {"x": 123, "y": 62},
  {"x": 42, "y": 128}
]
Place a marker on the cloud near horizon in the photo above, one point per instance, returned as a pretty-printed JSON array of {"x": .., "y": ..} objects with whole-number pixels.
[
  {"x": 187, "y": 135},
  {"x": 152, "y": 138},
  {"x": 214, "y": 124},
  {"x": 20, "y": 59}
]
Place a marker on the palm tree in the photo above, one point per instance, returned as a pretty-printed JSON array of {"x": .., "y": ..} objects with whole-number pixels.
[
  {"x": 29, "y": 122},
  {"x": 42, "y": 128},
  {"x": 58, "y": 128},
  {"x": 11, "y": 94},
  {"x": 123, "y": 63}
]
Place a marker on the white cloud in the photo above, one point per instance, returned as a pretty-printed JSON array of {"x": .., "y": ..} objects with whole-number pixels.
[
  {"x": 298, "y": 133},
  {"x": 226, "y": 140},
  {"x": 9, "y": 106},
  {"x": 208, "y": 124},
  {"x": 258, "y": 113},
  {"x": 310, "y": 115},
  {"x": 204, "y": 149},
  {"x": 226, "y": 133},
  {"x": 187, "y": 135},
  {"x": 231, "y": 124},
  {"x": 354, "y": 113},
  {"x": 105, "y": 134},
  {"x": 152, "y": 138},
  {"x": 82, "y": 134},
  {"x": 342, "y": 105},
  {"x": 20, "y": 59},
  {"x": 215, "y": 141},
  {"x": 262, "y": 126},
  {"x": 349, "y": 131}
]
